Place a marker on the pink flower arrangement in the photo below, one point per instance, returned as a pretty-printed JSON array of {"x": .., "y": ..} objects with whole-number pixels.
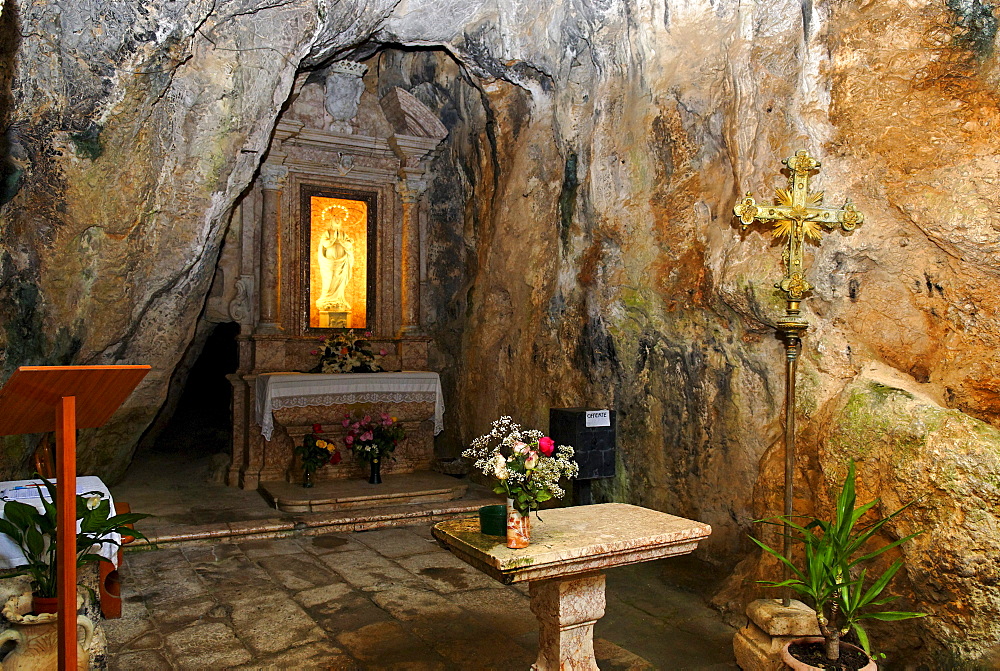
[{"x": 372, "y": 439}]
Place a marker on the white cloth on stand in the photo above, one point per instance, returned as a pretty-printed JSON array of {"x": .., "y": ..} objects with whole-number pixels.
[
  {"x": 24, "y": 491},
  {"x": 298, "y": 390}
]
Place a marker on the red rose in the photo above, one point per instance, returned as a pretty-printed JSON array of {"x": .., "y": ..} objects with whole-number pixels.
[
  {"x": 317, "y": 428},
  {"x": 546, "y": 445},
  {"x": 335, "y": 458}
]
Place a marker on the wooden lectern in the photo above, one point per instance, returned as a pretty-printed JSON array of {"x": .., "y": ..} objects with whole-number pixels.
[{"x": 64, "y": 398}]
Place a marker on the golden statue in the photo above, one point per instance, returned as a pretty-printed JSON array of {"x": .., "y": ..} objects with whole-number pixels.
[{"x": 335, "y": 258}]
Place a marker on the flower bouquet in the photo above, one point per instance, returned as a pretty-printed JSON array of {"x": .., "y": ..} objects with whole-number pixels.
[
  {"x": 345, "y": 352},
  {"x": 316, "y": 452},
  {"x": 527, "y": 465},
  {"x": 372, "y": 440}
]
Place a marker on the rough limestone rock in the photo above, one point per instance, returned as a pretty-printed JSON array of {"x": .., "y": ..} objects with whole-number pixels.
[
  {"x": 910, "y": 449},
  {"x": 581, "y": 244}
]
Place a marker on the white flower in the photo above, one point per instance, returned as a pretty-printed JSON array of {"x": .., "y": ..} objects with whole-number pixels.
[
  {"x": 520, "y": 448},
  {"x": 93, "y": 501},
  {"x": 500, "y": 467},
  {"x": 531, "y": 461}
]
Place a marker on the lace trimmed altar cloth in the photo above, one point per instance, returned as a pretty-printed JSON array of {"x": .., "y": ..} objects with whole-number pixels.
[{"x": 298, "y": 390}]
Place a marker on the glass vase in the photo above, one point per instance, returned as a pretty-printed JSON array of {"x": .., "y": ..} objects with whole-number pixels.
[{"x": 307, "y": 478}]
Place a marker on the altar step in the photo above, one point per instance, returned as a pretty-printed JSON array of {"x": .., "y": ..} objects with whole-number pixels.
[
  {"x": 334, "y": 495},
  {"x": 189, "y": 511}
]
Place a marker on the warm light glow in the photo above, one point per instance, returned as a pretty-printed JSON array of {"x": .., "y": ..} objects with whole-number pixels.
[{"x": 338, "y": 263}]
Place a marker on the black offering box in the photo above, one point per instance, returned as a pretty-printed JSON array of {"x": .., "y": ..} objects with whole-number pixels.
[{"x": 592, "y": 433}]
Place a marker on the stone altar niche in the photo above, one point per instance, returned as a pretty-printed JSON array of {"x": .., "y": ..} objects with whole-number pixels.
[{"x": 329, "y": 236}]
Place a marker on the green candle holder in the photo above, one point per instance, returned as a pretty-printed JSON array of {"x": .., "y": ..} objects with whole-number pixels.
[{"x": 493, "y": 520}]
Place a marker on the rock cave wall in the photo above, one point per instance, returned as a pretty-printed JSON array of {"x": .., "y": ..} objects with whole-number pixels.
[{"x": 582, "y": 248}]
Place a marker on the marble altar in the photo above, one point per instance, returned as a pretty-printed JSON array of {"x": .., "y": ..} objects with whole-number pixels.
[
  {"x": 294, "y": 402},
  {"x": 570, "y": 547}
]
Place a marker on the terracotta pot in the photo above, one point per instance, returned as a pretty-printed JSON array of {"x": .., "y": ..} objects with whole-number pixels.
[
  {"x": 793, "y": 663},
  {"x": 37, "y": 638},
  {"x": 44, "y": 604},
  {"x": 518, "y": 527}
]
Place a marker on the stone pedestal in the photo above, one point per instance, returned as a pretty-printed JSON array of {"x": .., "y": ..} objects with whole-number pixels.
[
  {"x": 567, "y": 610},
  {"x": 332, "y": 319},
  {"x": 758, "y": 645}
]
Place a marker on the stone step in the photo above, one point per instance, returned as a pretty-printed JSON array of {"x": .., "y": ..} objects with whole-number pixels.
[
  {"x": 331, "y": 495},
  {"x": 311, "y": 524}
]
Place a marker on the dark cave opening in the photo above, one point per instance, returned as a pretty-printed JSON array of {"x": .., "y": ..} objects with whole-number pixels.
[{"x": 201, "y": 424}]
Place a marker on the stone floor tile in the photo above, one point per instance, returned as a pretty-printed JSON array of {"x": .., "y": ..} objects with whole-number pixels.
[
  {"x": 175, "y": 615},
  {"x": 405, "y": 603},
  {"x": 272, "y": 623},
  {"x": 506, "y": 610},
  {"x": 470, "y": 645},
  {"x": 296, "y": 573},
  {"x": 369, "y": 571},
  {"x": 611, "y": 657},
  {"x": 316, "y": 596},
  {"x": 424, "y": 531},
  {"x": 232, "y": 571},
  {"x": 206, "y": 646},
  {"x": 446, "y": 574},
  {"x": 122, "y": 631},
  {"x": 171, "y": 584},
  {"x": 327, "y": 543},
  {"x": 316, "y": 655},
  {"x": 348, "y": 613},
  {"x": 211, "y": 553},
  {"x": 398, "y": 542},
  {"x": 147, "y": 660},
  {"x": 269, "y": 547},
  {"x": 389, "y": 645}
]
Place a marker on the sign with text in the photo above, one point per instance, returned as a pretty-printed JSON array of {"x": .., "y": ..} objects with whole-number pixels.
[{"x": 598, "y": 418}]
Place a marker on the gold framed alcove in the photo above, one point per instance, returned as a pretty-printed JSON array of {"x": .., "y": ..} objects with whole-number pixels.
[{"x": 339, "y": 264}]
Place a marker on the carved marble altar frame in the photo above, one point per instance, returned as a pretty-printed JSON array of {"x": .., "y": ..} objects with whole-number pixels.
[{"x": 305, "y": 297}]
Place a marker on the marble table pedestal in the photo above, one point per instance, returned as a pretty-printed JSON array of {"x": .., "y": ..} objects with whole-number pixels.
[
  {"x": 567, "y": 610},
  {"x": 570, "y": 548}
]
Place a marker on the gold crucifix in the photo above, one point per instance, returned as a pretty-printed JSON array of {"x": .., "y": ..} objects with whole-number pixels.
[{"x": 797, "y": 216}]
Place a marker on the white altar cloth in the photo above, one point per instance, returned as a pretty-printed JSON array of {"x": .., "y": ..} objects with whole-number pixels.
[
  {"x": 298, "y": 390},
  {"x": 24, "y": 491}
]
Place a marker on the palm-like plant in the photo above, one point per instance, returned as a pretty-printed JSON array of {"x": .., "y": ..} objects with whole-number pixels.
[
  {"x": 34, "y": 532},
  {"x": 832, "y": 577}
]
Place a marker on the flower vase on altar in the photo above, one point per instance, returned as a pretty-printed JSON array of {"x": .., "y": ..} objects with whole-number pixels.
[
  {"x": 518, "y": 527},
  {"x": 373, "y": 439},
  {"x": 315, "y": 452}
]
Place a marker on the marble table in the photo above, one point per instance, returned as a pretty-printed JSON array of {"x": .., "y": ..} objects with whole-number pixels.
[{"x": 570, "y": 548}]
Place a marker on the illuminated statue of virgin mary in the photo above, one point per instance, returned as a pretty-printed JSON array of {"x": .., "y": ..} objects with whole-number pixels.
[{"x": 335, "y": 257}]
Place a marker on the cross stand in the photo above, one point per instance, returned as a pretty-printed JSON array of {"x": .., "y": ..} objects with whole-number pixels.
[
  {"x": 37, "y": 399},
  {"x": 796, "y": 215}
]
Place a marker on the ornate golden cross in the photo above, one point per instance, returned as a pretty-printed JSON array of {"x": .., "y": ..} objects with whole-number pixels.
[{"x": 797, "y": 216}]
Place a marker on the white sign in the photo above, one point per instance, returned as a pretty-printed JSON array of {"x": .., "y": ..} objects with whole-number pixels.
[{"x": 598, "y": 418}]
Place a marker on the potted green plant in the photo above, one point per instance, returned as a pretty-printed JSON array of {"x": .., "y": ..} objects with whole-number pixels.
[
  {"x": 833, "y": 577},
  {"x": 34, "y": 532}
]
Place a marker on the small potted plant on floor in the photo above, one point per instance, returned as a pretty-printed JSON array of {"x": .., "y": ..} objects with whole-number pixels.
[
  {"x": 834, "y": 581},
  {"x": 34, "y": 532},
  {"x": 528, "y": 466}
]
